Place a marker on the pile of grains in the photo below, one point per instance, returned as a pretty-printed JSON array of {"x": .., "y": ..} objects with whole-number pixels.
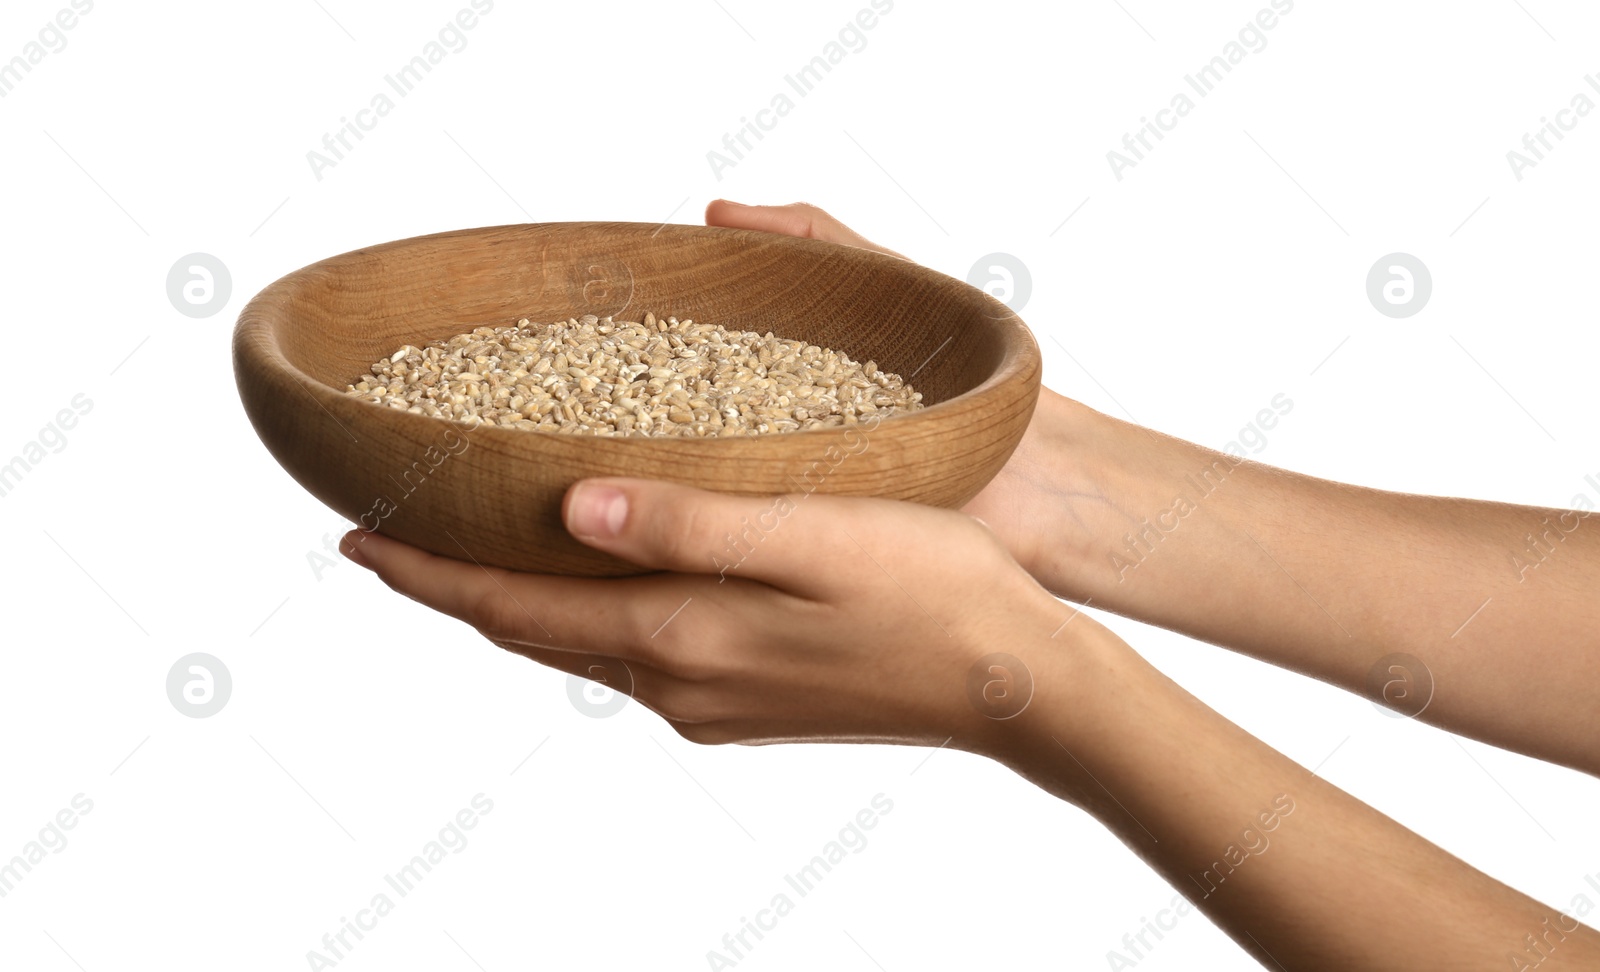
[{"x": 597, "y": 376}]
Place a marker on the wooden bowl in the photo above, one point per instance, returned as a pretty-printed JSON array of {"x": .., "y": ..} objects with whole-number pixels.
[{"x": 494, "y": 494}]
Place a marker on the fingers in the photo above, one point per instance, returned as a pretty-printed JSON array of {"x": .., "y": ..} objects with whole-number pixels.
[
  {"x": 696, "y": 712},
  {"x": 671, "y": 622},
  {"x": 832, "y": 618},
  {"x": 784, "y": 541},
  {"x": 531, "y": 609},
  {"x": 796, "y": 219},
  {"x": 614, "y": 673}
]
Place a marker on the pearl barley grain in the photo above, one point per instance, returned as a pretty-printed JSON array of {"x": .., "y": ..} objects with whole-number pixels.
[{"x": 658, "y": 377}]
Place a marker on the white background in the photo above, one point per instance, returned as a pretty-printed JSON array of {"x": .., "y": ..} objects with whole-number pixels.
[{"x": 1221, "y": 271}]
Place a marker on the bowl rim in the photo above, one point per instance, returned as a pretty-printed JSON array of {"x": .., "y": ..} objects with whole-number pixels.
[{"x": 255, "y": 337}]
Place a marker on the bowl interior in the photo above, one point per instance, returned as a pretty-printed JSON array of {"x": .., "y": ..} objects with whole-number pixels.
[{"x": 350, "y": 310}]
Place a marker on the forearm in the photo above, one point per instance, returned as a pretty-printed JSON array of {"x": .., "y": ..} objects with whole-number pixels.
[
  {"x": 1287, "y": 864},
  {"x": 1329, "y": 579}
]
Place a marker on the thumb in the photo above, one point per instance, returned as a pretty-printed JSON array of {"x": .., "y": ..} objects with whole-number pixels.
[{"x": 666, "y": 526}]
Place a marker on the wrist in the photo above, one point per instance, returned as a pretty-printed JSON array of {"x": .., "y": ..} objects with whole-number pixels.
[
  {"x": 1078, "y": 466},
  {"x": 1086, "y": 684},
  {"x": 1108, "y": 495}
]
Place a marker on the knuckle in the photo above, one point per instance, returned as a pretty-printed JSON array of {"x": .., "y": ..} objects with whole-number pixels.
[
  {"x": 391, "y": 579},
  {"x": 506, "y": 644},
  {"x": 683, "y": 534},
  {"x": 703, "y": 733},
  {"x": 690, "y": 652},
  {"x": 681, "y": 654},
  {"x": 683, "y": 705},
  {"x": 644, "y": 636},
  {"x": 814, "y": 219},
  {"x": 496, "y": 615},
  {"x": 613, "y": 673},
  {"x": 692, "y": 664}
]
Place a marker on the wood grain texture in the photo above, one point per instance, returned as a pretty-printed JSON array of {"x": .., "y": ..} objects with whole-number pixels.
[{"x": 494, "y": 495}]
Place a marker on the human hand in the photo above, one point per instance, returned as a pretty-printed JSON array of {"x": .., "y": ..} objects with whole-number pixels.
[
  {"x": 1030, "y": 486},
  {"x": 845, "y": 620},
  {"x": 1083, "y": 504}
]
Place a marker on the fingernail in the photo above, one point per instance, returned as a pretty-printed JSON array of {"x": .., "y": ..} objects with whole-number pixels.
[
  {"x": 597, "y": 511},
  {"x": 730, "y": 202},
  {"x": 351, "y": 549}
]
